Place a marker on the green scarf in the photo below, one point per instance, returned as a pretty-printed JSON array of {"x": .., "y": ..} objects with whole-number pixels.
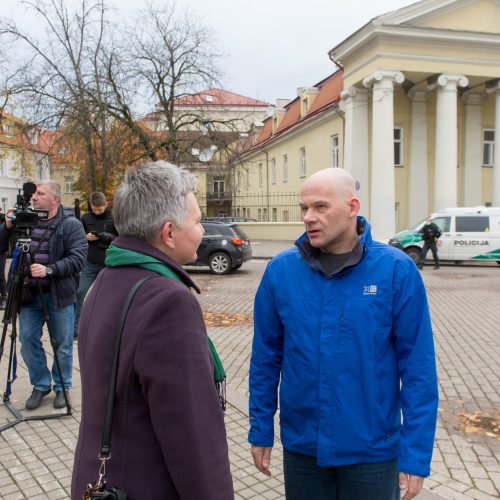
[{"x": 116, "y": 256}]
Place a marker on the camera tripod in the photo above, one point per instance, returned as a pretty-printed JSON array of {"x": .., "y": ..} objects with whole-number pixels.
[{"x": 16, "y": 283}]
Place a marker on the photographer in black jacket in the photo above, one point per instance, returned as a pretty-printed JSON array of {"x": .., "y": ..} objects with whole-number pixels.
[
  {"x": 100, "y": 232},
  {"x": 430, "y": 234},
  {"x": 56, "y": 257}
]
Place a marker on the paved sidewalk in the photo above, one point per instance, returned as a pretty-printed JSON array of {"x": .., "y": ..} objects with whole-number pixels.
[{"x": 36, "y": 458}]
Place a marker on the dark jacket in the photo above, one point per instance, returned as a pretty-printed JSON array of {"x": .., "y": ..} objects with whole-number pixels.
[
  {"x": 104, "y": 226},
  {"x": 168, "y": 439},
  {"x": 430, "y": 232},
  {"x": 67, "y": 253}
]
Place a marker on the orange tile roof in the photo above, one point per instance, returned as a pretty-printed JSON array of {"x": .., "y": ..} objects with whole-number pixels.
[
  {"x": 266, "y": 132},
  {"x": 219, "y": 97},
  {"x": 328, "y": 96},
  {"x": 292, "y": 116},
  {"x": 20, "y": 137}
]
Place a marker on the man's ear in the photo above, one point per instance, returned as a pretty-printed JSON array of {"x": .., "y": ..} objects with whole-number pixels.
[
  {"x": 354, "y": 206},
  {"x": 167, "y": 234}
]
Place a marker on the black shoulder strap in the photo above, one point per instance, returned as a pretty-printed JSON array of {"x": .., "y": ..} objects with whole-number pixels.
[{"x": 110, "y": 402}]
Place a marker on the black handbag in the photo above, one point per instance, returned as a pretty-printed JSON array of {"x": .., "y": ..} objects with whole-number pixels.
[{"x": 99, "y": 489}]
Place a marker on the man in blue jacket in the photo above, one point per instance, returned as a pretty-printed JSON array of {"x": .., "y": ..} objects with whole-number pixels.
[
  {"x": 342, "y": 327},
  {"x": 57, "y": 254}
]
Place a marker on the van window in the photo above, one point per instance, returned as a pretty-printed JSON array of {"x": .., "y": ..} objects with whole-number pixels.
[
  {"x": 477, "y": 224},
  {"x": 443, "y": 223}
]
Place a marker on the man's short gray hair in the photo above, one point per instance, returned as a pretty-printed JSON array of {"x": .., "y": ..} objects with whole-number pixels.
[
  {"x": 54, "y": 187},
  {"x": 150, "y": 195}
]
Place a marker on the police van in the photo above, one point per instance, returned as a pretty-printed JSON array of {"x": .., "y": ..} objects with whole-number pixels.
[{"x": 467, "y": 234}]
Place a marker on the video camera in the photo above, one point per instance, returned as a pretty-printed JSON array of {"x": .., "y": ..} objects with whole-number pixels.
[{"x": 26, "y": 217}]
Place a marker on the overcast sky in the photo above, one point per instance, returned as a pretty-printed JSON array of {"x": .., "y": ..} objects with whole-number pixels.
[{"x": 272, "y": 47}]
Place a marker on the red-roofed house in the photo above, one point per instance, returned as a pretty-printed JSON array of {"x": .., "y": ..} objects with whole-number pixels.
[
  {"x": 302, "y": 136},
  {"x": 212, "y": 123}
]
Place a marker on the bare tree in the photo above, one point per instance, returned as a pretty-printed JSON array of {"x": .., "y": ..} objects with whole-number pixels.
[
  {"x": 59, "y": 73},
  {"x": 171, "y": 56},
  {"x": 87, "y": 78}
]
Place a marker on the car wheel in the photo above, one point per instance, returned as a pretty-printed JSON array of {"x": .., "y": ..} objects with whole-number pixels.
[
  {"x": 414, "y": 254},
  {"x": 219, "y": 263}
]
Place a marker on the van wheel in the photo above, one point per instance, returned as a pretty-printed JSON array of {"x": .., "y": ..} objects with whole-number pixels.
[
  {"x": 414, "y": 254},
  {"x": 219, "y": 263}
]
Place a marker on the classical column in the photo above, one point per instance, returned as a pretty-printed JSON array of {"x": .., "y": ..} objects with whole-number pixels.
[
  {"x": 472, "y": 157},
  {"x": 354, "y": 104},
  {"x": 418, "y": 178},
  {"x": 382, "y": 195},
  {"x": 445, "y": 165}
]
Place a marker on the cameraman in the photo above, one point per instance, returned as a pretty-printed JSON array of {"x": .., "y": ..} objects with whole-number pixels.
[
  {"x": 100, "y": 230},
  {"x": 57, "y": 255}
]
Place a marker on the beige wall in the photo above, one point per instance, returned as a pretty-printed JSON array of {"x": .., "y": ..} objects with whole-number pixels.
[{"x": 286, "y": 231}]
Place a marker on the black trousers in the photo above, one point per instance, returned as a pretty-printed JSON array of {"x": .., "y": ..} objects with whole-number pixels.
[{"x": 429, "y": 245}]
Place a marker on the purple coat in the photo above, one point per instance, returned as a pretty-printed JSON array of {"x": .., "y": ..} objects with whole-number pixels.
[{"x": 168, "y": 439}]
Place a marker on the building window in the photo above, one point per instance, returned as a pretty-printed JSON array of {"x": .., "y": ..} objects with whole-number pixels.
[
  {"x": 261, "y": 175},
  {"x": 302, "y": 162},
  {"x": 275, "y": 215},
  {"x": 219, "y": 187},
  {"x": 285, "y": 168},
  {"x": 247, "y": 178},
  {"x": 335, "y": 151},
  {"x": 8, "y": 130},
  {"x": 273, "y": 171},
  {"x": 265, "y": 218},
  {"x": 488, "y": 147},
  {"x": 4, "y": 204},
  {"x": 259, "y": 214},
  {"x": 398, "y": 147},
  {"x": 286, "y": 216},
  {"x": 68, "y": 184},
  {"x": 3, "y": 167},
  {"x": 305, "y": 106}
]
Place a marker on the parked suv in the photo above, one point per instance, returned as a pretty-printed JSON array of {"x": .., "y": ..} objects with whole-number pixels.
[{"x": 224, "y": 247}]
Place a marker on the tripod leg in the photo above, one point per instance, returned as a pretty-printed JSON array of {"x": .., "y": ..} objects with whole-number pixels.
[{"x": 9, "y": 318}]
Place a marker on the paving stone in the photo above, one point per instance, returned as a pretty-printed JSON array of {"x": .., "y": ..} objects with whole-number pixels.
[
  {"x": 465, "y": 465},
  {"x": 486, "y": 486}
]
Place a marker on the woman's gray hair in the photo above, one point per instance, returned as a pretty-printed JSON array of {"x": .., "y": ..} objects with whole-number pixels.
[{"x": 150, "y": 195}]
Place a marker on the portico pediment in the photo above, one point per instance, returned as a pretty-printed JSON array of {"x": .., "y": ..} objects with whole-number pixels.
[{"x": 426, "y": 37}]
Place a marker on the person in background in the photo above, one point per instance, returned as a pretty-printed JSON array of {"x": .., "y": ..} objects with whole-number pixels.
[
  {"x": 168, "y": 434},
  {"x": 430, "y": 234},
  {"x": 100, "y": 232},
  {"x": 57, "y": 255},
  {"x": 342, "y": 327}
]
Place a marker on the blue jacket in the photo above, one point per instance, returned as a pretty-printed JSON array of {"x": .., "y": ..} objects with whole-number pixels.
[
  {"x": 67, "y": 254},
  {"x": 342, "y": 346}
]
